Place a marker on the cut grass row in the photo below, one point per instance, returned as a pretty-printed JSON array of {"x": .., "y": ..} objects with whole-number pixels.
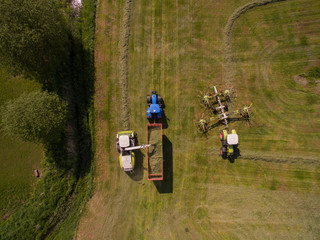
[{"x": 123, "y": 62}]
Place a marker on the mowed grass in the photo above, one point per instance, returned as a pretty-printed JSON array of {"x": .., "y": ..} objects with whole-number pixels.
[
  {"x": 18, "y": 159},
  {"x": 272, "y": 45},
  {"x": 176, "y": 49}
]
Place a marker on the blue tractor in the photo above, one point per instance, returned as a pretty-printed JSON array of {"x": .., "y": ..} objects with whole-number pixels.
[{"x": 155, "y": 104}]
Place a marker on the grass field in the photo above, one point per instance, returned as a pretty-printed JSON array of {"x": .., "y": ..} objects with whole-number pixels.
[
  {"x": 17, "y": 159},
  {"x": 176, "y": 47}
]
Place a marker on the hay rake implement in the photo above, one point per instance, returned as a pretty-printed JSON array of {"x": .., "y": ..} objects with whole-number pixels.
[{"x": 217, "y": 104}]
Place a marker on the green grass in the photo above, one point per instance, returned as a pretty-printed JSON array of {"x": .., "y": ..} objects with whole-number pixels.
[
  {"x": 18, "y": 159},
  {"x": 279, "y": 59},
  {"x": 262, "y": 194}
]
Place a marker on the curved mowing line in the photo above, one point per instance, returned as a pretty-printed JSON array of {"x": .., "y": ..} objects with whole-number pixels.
[
  {"x": 227, "y": 34},
  {"x": 227, "y": 42},
  {"x": 123, "y": 64}
]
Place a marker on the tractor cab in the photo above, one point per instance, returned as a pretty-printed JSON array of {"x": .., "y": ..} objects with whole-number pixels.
[
  {"x": 232, "y": 139},
  {"x": 155, "y": 103},
  {"x": 125, "y": 140}
]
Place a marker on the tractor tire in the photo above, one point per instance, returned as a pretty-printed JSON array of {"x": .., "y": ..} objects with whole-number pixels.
[
  {"x": 224, "y": 143},
  {"x": 149, "y": 101},
  {"x": 159, "y": 99},
  {"x": 223, "y": 151},
  {"x": 226, "y": 107},
  {"x": 214, "y": 110},
  {"x": 222, "y": 137},
  {"x": 118, "y": 146}
]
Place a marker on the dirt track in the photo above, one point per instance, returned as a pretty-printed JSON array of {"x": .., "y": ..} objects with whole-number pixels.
[
  {"x": 227, "y": 35},
  {"x": 123, "y": 64}
]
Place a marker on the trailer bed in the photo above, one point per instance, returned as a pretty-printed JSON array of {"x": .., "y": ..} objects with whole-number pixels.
[{"x": 155, "y": 151}]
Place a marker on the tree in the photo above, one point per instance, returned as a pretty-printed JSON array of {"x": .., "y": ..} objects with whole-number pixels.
[
  {"x": 33, "y": 38},
  {"x": 38, "y": 117}
]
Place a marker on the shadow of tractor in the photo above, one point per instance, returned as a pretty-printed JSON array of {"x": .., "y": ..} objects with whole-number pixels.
[
  {"x": 233, "y": 157},
  {"x": 137, "y": 173},
  {"x": 166, "y": 185}
]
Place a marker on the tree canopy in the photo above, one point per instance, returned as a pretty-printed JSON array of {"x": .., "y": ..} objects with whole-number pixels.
[
  {"x": 37, "y": 117},
  {"x": 33, "y": 37}
]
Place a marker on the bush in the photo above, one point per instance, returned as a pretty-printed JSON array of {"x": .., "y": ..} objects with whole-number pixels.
[{"x": 37, "y": 117}]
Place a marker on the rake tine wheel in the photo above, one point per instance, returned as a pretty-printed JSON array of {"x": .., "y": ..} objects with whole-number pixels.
[{"x": 201, "y": 123}]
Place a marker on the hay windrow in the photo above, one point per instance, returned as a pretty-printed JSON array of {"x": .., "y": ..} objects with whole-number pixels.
[
  {"x": 123, "y": 64},
  {"x": 227, "y": 35}
]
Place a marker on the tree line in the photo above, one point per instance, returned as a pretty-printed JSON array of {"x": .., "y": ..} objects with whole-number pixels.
[{"x": 35, "y": 42}]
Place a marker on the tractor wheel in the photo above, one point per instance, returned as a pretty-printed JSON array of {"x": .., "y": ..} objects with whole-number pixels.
[
  {"x": 118, "y": 146},
  {"x": 160, "y": 100},
  {"x": 221, "y": 135},
  {"x": 224, "y": 143},
  {"x": 226, "y": 107},
  {"x": 223, "y": 151},
  {"x": 214, "y": 110},
  {"x": 149, "y": 101},
  {"x": 132, "y": 141}
]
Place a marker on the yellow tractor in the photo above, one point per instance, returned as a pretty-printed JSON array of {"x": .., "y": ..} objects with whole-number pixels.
[
  {"x": 229, "y": 141},
  {"x": 125, "y": 146}
]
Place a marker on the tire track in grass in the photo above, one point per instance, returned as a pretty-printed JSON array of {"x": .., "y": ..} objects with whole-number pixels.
[
  {"x": 275, "y": 158},
  {"x": 123, "y": 65},
  {"x": 313, "y": 161},
  {"x": 227, "y": 35}
]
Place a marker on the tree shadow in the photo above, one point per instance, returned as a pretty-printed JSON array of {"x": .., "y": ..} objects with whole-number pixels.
[
  {"x": 166, "y": 185},
  {"x": 82, "y": 75}
]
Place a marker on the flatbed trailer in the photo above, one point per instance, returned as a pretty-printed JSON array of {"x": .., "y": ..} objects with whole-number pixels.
[{"x": 154, "y": 152}]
